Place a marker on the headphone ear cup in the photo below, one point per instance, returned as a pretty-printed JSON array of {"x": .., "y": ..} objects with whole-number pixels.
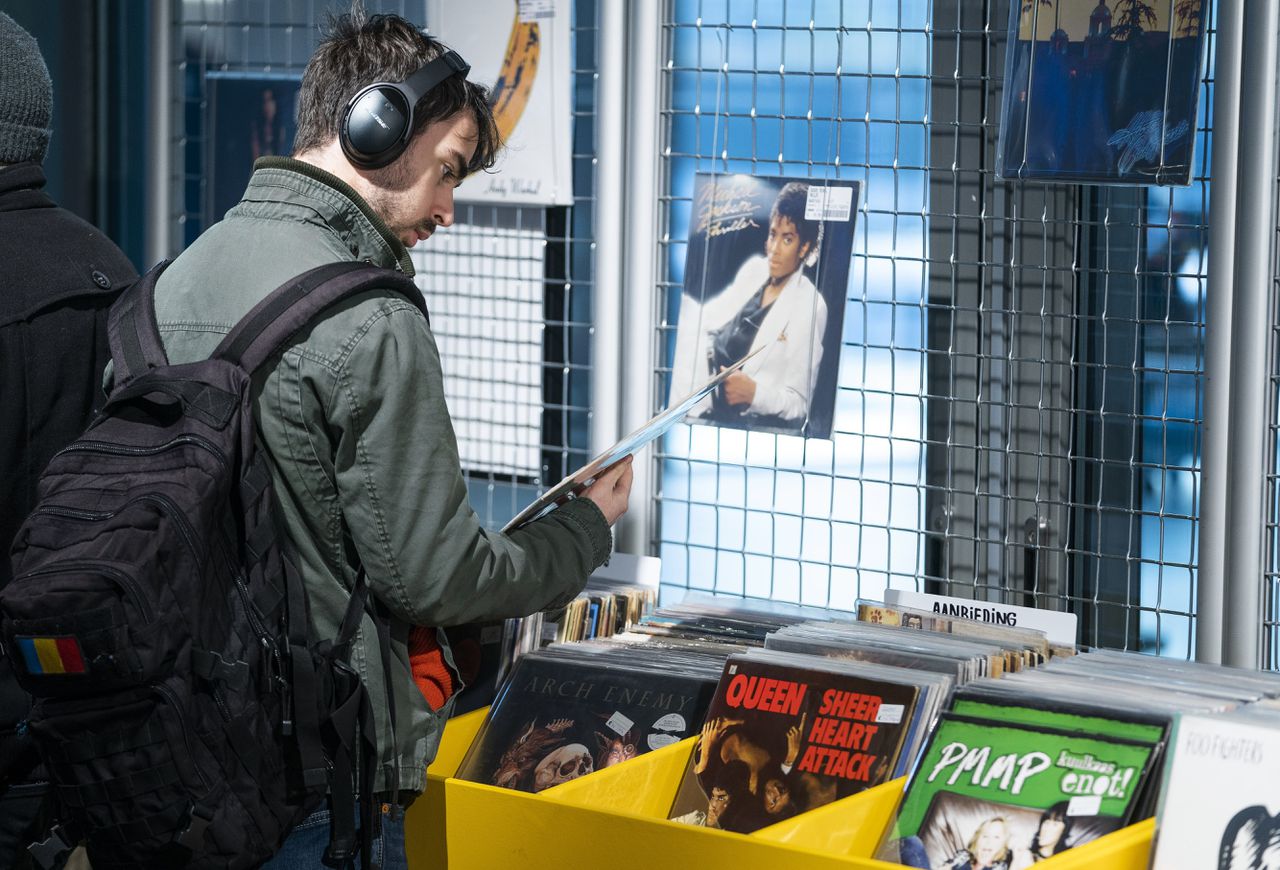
[{"x": 376, "y": 125}]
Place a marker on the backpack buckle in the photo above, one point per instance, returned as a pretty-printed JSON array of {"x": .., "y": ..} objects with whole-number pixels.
[
  {"x": 340, "y": 850},
  {"x": 213, "y": 667},
  {"x": 47, "y": 852},
  {"x": 193, "y": 837}
]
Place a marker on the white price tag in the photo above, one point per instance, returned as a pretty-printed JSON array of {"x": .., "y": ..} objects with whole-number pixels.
[
  {"x": 889, "y": 713},
  {"x": 619, "y": 723},
  {"x": 658, "y": 740},
  {"x": 670, "y": 722},
  {"x": 828, "y": 203},
  {"x": 1084, "y": 805},
  {"x": 532, "y": 10}
]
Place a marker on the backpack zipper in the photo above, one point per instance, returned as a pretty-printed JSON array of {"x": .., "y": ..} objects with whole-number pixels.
[
  {"x": 166, "y": 503},
  {"x": 182, "y": 723},
  {"x": 223, "y": 710},
  {"x": 251, "y": 611},
  {"x": 130, "y": 585},
  {"x": 269, "y": 647},
  {"x": 93, "y": 446}
]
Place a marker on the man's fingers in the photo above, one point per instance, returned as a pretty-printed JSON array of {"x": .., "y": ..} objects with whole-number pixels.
[{"x": 611, "y": 474}]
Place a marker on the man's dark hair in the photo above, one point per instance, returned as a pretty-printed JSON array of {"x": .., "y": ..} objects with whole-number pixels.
[
  {"x": 790, "y": 205},
  {"x": 358, "y": 50}
]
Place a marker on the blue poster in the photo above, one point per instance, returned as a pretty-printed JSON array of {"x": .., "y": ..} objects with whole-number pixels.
[{"x": 1102, "y": 91}]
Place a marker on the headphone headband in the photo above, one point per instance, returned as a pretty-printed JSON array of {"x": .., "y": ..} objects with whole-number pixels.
[
  {"x": 421, "y": 82},
  {"x": 379, "y": 120}
]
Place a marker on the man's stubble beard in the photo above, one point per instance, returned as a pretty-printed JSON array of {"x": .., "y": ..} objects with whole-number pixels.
[{"x": 388, "y": 197}]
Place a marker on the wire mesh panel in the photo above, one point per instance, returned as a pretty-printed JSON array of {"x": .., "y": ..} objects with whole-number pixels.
[
  {"x": 1020, "y": 384},
  {"x": 1067, "y": 328},
  {"x": 486, "y": 286},
  {"x": 509, "y": 287},
  {"x": 828, "y": 91}
]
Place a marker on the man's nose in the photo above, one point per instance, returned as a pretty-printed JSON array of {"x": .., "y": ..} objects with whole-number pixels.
[{"x": 442, "y": 214}]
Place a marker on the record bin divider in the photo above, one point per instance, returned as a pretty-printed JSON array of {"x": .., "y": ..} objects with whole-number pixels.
[
  {"x": 425, "y": 834},
  {"x": 621, "y": 812}
]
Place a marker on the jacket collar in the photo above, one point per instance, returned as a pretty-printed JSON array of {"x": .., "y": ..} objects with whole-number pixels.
[
  {"x": 303, "y": 187},
  {"x": 21, "y": 187}
]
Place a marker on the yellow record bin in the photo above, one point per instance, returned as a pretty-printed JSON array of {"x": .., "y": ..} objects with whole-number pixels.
[{"x": 616, "y": 819}]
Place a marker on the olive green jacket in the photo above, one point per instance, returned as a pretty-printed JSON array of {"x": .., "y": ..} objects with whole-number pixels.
[{"x": 363, "y": 454}]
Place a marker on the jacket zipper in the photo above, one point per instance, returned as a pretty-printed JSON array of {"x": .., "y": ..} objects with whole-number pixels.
[{"x": 130, "y": 585}]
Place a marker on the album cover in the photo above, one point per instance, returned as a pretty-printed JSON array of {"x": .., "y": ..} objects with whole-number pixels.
[
  {"x": 1063, "y": 717},
  {"x": 1102, "y": 91},
  {"x": 522, "y": 52},
  {"x": 766, "y": 270},
  {"x": 247, "y": 116},
  {"x": 995, "y": 791},
  {"x": 779, "y": 740},
  {"x": 1220, "y": 807},
  {"x": 557, "y": 719}
]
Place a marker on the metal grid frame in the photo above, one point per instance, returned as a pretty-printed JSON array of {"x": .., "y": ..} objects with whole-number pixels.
[
  {"x": 790, "y": 519},
  {"x": 1046, "y": 437},
  {"x": 261, "y": 37},
  {"x": 1270, "y": 592},
  {"x": 1081, "y": 491}
]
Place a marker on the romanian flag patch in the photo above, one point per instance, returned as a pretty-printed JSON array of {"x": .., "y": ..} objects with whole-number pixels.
[{"x": 52, "y": 655}]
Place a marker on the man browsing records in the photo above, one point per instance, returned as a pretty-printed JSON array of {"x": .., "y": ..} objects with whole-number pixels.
[{"x": 352, "y": 416}]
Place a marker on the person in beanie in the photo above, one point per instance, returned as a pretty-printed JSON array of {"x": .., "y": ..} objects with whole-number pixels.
[{"x": 58, "y": 278}]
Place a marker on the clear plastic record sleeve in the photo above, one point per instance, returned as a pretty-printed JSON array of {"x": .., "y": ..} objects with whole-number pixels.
[{"x": 655, "y": 427}]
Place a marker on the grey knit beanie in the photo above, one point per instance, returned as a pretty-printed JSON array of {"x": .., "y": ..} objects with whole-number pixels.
[{"x": 26, "y": 96}]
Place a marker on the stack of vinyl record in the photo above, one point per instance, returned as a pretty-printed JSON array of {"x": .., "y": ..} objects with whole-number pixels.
[
  {"x": 959, "y": 657},
  {"x": 707, "y": 619},
  {"x": 571, "y": 709},
  {"x": 614, "y": 682},
  {"x": 1025, "y": 647},
  {"x": 603, "y": 608},
  {"x": 1038, "y": 762}
]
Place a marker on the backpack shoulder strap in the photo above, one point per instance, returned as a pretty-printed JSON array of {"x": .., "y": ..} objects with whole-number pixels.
[
  {"x": 132, "y": 332},
  {"x": 292, "y": 305}
]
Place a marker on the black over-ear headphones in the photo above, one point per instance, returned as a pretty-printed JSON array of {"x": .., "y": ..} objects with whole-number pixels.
[{"x": 378, "y": 121}]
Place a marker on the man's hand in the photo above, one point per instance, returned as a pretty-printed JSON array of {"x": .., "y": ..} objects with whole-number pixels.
[
  {"x": 739, "y": 389},
  {"x": 611, "y": 490}
]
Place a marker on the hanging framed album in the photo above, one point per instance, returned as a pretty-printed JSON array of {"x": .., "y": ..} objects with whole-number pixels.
[
  {"x": 766, "y": 276},
  {"x": 520, "y": 50},
  {"x": 1102, "y": 91},
  {"x": 247, "y": 116}
]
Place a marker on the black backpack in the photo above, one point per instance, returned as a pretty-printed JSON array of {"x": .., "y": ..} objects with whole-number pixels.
[{"x": 186, "y": 716}]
